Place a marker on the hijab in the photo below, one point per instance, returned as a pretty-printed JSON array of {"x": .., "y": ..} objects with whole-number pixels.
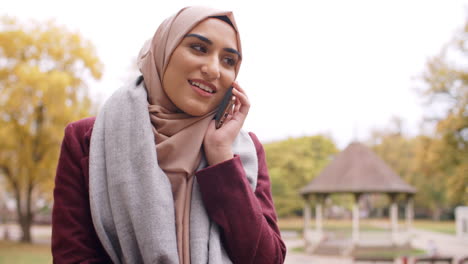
[{"x": 178, "y": 136}]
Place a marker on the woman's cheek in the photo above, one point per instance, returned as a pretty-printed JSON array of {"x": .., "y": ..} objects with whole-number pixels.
[{"x": 230, "y": 76}]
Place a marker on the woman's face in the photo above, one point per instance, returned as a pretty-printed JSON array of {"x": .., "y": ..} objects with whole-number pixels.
[{"x": 202, "y": 68}]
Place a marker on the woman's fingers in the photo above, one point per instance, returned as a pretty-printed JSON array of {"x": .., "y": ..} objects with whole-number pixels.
[
  {"x": 242, "y": 96},
  {"x": 237, "y": 105},
  {"x": 237, "y": 86},
  {"x": 243, "y": 105}
]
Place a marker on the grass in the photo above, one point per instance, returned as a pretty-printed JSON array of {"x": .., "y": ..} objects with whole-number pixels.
[
  {"x": 378, "y": 252},
  {"x": 387, "y": 252},
  {"x": 447, "y": 227},
  {"x": 298, "y": 249},
  {"x": 341, "y": 226},
  {"x": 13, "y": 252},
  {"x": 375, "y": 225}
]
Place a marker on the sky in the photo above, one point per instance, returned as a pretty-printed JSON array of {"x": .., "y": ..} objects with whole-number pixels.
[{"x": 340, "y": 68}]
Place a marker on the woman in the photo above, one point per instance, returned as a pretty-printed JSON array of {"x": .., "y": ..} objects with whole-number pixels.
[{"x": 168, "y": 187}]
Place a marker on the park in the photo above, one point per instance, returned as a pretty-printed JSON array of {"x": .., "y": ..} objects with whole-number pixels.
[{"x": 362, "y": 168}]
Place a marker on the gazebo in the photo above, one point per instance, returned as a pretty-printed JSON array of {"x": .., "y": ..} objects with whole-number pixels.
[{"x": 356, "y": 170}]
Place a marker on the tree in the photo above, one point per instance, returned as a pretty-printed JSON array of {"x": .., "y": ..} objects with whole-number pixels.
[
  {"x": 293, "y": 163},
  {"x": 446, "y": 79},
  {"x": 429, "y": 179},
  {"x": 416, "y": 160},
  {"x": 43, "y": 68},
  {"x": 413, "y": 159}
]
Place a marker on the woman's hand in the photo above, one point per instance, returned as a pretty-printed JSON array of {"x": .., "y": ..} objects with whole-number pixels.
[{"x": 218, "y": 142}]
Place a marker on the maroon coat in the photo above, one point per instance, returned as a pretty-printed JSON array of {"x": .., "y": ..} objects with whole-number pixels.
[{"x": 247, "y": 219}]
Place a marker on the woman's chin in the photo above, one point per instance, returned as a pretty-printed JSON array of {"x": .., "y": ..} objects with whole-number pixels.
[{"x": 193, "y": 111}]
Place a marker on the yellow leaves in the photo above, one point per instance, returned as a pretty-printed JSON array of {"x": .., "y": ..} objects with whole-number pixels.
[
  {"x": 446, "y": 155},
  {"x": 86, "y": 53},
  {"x": 8, "y": 21},
  {"x": 459, "y": 183},
  {"x": 43, "y": 68},
  {"x": 49, "y": 47},
  {"x": 27, "y": 74},
  {"x": 75, "y": 38},
  {"x": 56, "y": 52},
  {"x": 95, "y": 67}
]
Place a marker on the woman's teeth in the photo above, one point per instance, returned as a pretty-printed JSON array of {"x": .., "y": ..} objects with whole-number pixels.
[{"x": 202, "y": 86}]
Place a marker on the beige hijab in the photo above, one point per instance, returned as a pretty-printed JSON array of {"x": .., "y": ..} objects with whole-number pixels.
[{"x": 178, "y": 136}]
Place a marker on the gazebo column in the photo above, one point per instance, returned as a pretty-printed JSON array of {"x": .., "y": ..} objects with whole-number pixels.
[
  {"x": 355, "y": 234},
  {"x": 409, "y": 212},
  {"x": 394, "y": 217},
  {"x": 319, "y": 215},
  {"x": 306, "y": 216}
]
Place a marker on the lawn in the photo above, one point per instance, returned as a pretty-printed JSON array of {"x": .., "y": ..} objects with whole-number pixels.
[
  {"x": 447, "y": 227},
  {"x": 375, "y": 225},
  {"x": 297, "y": 224},
  {"x": 13, "y": 252},
  {"x": 387, "y": 252}
]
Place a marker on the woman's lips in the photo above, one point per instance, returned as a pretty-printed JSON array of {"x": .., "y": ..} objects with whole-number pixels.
[{"x": 203, "y": 88}]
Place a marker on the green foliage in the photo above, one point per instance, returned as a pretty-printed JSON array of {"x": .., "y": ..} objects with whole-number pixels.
[
  {"x": 43, "y": 68},
  {"x": 292, "y": 164}
]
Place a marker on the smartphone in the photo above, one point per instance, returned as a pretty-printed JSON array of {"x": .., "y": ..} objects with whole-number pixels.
[{"x": 224, "y": 108}]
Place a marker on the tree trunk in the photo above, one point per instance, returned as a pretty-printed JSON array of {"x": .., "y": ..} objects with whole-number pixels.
[
  {"x": 25, "y": 216},
  {"x": 380, "y": 213},
  {"x": 436, "y": 214},
  {"x": 26, "y": 223}
]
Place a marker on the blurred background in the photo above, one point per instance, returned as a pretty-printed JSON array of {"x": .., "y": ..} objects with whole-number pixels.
[{"x": 320, "y": 75}]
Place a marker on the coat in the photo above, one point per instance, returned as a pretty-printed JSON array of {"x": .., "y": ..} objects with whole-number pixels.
[{"x": 247, "y": 218}]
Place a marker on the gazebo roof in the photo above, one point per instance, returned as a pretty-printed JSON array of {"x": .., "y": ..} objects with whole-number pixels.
[{"x": 357, "y": 170}]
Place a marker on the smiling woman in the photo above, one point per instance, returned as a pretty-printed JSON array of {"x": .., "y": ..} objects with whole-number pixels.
[
  {"x": 202, "y": 67},
  {"x": 151, "y": 179}
]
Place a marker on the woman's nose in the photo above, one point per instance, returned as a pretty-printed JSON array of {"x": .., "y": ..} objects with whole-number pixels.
[{"x": 210, "y": 70}]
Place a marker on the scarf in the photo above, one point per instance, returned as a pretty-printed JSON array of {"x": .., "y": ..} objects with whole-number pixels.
[
  {"x": 131, "y": 201},
  {"x": 179, "y": 136}
]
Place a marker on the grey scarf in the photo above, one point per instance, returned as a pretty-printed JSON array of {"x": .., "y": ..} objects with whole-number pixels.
[{"x": 131, "y": 200}]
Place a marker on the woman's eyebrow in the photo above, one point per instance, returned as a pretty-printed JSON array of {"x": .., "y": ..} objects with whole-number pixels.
[
  {"x": 200, "y": 37},
  {"x": 231, "y": 50},
  {"x": 208, "y": 41}
]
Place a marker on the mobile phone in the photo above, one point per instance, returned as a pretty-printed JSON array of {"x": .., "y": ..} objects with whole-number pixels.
[{"x": 224, "y": 108}]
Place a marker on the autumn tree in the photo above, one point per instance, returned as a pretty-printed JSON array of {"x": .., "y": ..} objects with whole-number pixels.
[
  {"x": 446, "y": 90},
  {"x": 43, "y": 73},
  {"x": 293, "y": 163},
  {"x": 436, "y": 162},
  {"x": 414, "y": 159}
]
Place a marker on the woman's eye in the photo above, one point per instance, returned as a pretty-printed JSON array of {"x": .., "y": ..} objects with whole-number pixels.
[
  {"x": 199, "y": 48},
  {"x": 230, "y": 61}
]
